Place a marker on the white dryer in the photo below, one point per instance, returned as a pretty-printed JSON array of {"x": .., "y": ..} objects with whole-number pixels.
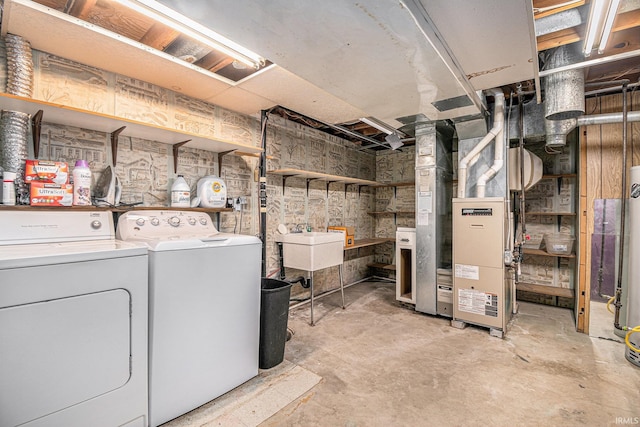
[
  {"x": 204, "y": 308},
  {"x": 73, "y": 321}
]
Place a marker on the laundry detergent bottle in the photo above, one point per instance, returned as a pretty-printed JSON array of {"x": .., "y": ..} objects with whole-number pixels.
[
  {"x": 180, "y": 193},
  {"x": 81, "y": 184}
]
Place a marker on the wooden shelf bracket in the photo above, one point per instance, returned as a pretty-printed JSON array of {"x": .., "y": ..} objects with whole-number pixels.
[{"x": 36, "y": 128}]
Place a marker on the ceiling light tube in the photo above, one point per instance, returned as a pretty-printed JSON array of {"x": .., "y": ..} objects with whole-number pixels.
[
  {"x": 608, "y": 25},
  {"x": 594, "y": 25},
  {"x": 381, "y": 126},
  {"x": 194, "y": 30}
]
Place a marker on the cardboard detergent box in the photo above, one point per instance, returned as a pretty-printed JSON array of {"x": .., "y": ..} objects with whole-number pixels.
[
  {"x": 44, "y": 171},
  {"x": 349, "y": 233},
  {"x": 45, "y": 194}
]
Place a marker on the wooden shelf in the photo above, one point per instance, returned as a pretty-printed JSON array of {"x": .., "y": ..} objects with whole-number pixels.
[
  {"x": 70, "y": 116},
  {"x": 109, "y": 208},
  {"x": 297, "y": 173},
  {"x": 370, "y": 242},
  {"x": 540, "y": 252},
  {"x": 390, "y": 267},
  {"x": 560, "y": 175},
  {"x": 545, "y": 290},
  {"x": 396, "y": 184},
  {"x": 392, "y": 213},
  {"x": 551, "y": 213}
]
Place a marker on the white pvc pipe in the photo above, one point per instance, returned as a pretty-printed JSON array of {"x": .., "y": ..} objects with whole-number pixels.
[
  {"x": 498, "y": 125},
  {"x": 498, "y": 162}
]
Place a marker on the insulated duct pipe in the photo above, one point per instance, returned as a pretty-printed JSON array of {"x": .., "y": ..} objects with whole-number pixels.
[
  {"x": 592, "y": 120},
  {"x": 498, "y": 126},
  {"x": 564, "y": 91}
]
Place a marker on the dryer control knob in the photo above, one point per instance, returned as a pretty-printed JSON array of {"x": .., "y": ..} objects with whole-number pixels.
[
  {"x": 140, "y": 222},
  {"x": 192, "y": 221},
  {"x": 203, "y": 221},
  {"x": 174, "y": 221},
  {"x": 96, "y": 224},
  {"x": 155, "y": 221}
]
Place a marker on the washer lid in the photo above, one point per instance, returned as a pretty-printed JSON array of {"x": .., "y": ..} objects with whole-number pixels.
[{"x": 29, "y": 255}]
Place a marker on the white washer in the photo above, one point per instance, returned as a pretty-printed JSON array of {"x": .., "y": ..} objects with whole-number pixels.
[
  {"x": 204, "y": 308},
  {"x": 73, "y": 321}
]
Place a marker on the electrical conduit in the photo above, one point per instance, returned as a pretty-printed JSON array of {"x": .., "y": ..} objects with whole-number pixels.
[{"x": 496, "y": 130}]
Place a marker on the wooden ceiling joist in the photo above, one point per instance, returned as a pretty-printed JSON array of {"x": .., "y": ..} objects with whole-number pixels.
[
  {"x": 159, "y": 36},
  {"x": 624, "y": 21},
  {"x": 80, "y": 8}
]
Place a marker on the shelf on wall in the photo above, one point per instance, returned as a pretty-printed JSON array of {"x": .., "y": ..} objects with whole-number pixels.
[
  {"x": 551, "y": 213},
  {"x": 559, "y": 175},
  {"x": 109, "y": 208},
  {"x": 71, "y": 116},
  {"x": 298, "y": 173},
  {"x": 545, "y": 290},
  {"x": 540, "y": 252},
  {"x": 396, "y": 184},
  {"x": 361, "y": 243},
  {"x": 392, "y": 213},
  {"x": 390, "y": 267}
]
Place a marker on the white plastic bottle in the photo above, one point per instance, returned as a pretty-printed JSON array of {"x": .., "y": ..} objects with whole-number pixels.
[
  {"x": 8, "y": 188},
  {"x": 81, "y": 184},
  {"x": 180, "y": 193}
]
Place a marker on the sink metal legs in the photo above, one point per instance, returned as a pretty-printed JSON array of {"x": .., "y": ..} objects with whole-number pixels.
[{"x": 311, "y": 287}]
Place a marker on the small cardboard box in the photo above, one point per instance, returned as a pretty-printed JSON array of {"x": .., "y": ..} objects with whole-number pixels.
[
  {"x": 349, "y": 233},
  {"x": 44, "y": 194},
  {"x": 48, "y": 172}
]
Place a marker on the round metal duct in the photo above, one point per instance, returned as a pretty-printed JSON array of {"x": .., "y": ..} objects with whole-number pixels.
[{"x": 564, "y": 91}]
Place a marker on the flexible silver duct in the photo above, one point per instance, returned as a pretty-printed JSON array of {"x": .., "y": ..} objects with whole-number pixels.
[
  {"x": 564, "y": 91},
  {"x": 14, "y": 125}
]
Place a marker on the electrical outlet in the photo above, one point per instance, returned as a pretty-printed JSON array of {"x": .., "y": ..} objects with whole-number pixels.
[
  {"x": 236, "y": 204},
  {"x": 243, "y": 200}
]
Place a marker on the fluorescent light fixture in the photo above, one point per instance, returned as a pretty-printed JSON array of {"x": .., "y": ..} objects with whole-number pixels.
[
  {"x": 602, "y": 13},
  {"x": 380, "y": 125},
  {"x": 194, "y": 30},
  {"x": 608, "y": 25}
]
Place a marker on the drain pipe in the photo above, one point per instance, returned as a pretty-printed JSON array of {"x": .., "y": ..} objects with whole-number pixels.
[
  {"x": 623, "y": 206},
  {"x": 498, "y": 159},
  {"x": 498, "y": 125}
]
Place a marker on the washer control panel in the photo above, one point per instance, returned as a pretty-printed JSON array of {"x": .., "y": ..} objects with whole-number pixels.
[{"x": 164, "y": 224}]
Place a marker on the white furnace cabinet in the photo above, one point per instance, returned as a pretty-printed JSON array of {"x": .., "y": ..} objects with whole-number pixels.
[{"x": 482, "y": 290}]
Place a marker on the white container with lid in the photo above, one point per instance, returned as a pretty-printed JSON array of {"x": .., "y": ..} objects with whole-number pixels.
[
  {"x": 212, "y": 192},
  {"x": 180, "y": 193},
  {"x": 8, "y": 188}
]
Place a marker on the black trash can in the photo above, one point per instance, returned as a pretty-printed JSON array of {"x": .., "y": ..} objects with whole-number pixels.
[{"x": 274, "y": 313}]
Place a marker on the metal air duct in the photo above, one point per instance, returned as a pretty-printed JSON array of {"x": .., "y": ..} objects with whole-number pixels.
[
  {"x": 14, "y": 125},
  {"x": 564, "y": 91}
]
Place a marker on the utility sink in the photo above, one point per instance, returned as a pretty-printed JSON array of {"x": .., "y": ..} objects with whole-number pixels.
[{"x": 312, "y": 251}]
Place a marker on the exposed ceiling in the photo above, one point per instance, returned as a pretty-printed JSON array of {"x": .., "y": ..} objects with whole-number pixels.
[{"x": 334, "y": 61}]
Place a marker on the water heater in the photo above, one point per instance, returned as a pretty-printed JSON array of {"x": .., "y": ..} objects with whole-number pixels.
[
  {"x": 481, "y": 286},
  {"x": 633, "y": 292}
]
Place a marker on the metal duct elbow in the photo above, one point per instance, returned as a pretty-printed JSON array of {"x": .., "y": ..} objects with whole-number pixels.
[{"x": 557, "y": 131}]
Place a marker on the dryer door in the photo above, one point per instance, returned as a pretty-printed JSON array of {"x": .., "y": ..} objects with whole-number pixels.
[{"x": 58, "y": 353}]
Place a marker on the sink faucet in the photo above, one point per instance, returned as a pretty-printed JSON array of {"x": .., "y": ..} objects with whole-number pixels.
[{"x": 298, "y": 228}]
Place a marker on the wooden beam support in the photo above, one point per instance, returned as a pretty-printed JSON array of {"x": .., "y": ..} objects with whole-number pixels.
[
  {"x": 544, "y": 6},
  {"x": 624, "y": 21},
  {"x": 80, "y": 8},
  {"x": 159, "y": 36}
]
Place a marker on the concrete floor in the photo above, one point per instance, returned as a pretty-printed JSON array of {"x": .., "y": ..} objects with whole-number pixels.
[{"x": 383, "y": 364}]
